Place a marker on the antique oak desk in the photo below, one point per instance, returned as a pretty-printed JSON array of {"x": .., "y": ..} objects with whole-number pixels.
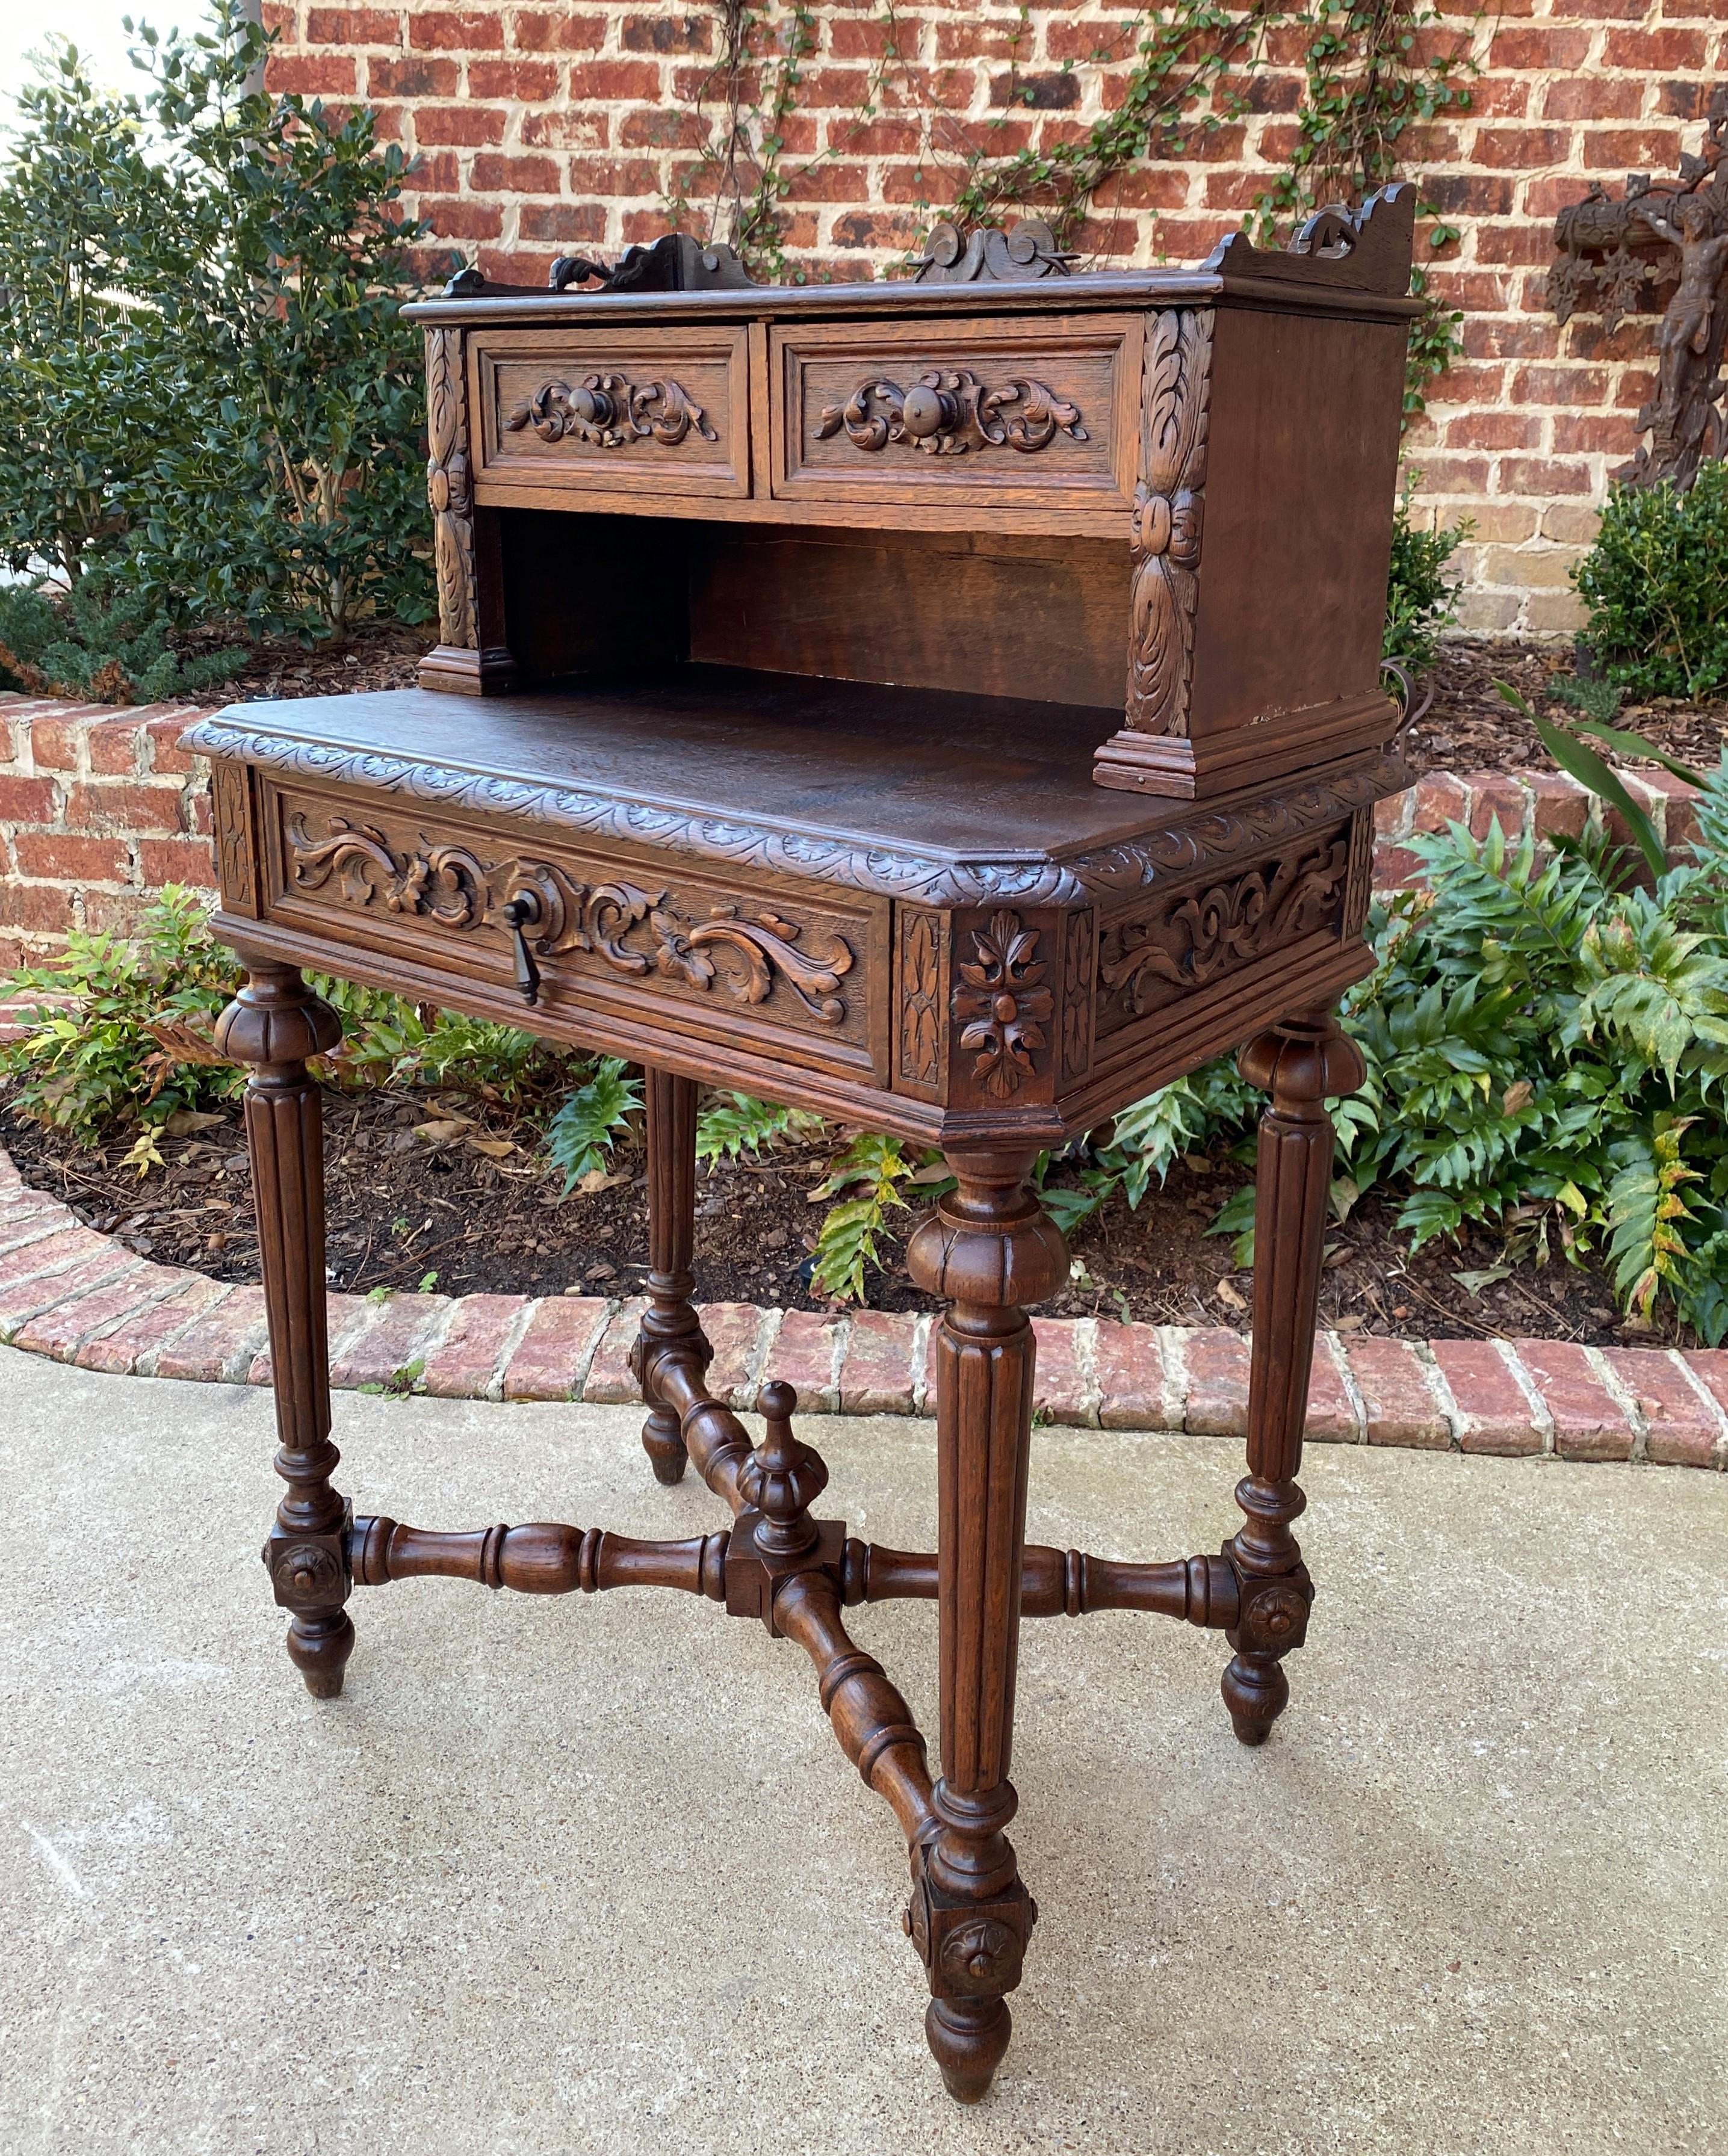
[{"x": 951, "y": 706}]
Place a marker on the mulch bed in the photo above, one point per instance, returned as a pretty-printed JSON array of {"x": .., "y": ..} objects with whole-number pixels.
[
  {"x": 1470, "y": 727},
  {"x": 401, "y": 1209}
]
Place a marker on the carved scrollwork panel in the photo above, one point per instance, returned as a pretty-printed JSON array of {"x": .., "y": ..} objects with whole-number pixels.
[
  {"x": 948, "y": 411},
  {"x": 756, "y": 954},
  {"x": 609, "y": 411},
  {"x": 1190, "y": 938},
  {"x": 1164, "y": 530}
]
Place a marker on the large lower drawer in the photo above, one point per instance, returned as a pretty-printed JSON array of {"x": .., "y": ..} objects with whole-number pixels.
[
  {"x": 766, "y": 965},
  {"x": 603, "y": 411},
  {"x": 1041, "y": 412}
]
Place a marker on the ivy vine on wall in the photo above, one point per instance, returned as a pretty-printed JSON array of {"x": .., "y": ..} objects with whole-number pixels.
[{"x": 1371, "y": 71}]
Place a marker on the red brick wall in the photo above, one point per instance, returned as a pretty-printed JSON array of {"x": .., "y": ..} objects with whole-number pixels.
[
  {"x": 546, "y": 128},
  {"x": 98, "y": 808}
]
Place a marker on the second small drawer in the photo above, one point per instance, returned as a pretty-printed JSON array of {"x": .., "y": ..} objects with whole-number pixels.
[{"x": 1040, "y": 410}]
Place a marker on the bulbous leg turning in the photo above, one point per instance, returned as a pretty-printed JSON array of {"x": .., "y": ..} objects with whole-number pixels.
[{"x": 968, "y": 2038}]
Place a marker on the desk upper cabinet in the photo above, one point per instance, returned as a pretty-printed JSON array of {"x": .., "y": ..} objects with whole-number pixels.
[{"x": 1166, "y": 495}]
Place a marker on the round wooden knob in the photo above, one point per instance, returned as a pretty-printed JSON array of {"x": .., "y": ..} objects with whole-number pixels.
[
  {"x": 593, "y": 406},
  {"x": 926, "y": 411}
]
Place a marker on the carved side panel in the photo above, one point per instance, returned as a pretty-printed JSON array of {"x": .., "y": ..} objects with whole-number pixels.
[
  {"x": 449, "y": 489},
  {"x": 1164, "y": 532},
  {"x": 1187, "y": 940},
  {"x": 1359, "y": 887},
  {"x": 236, "y": 844},
  {"x": 1003, "y": 1043},
  {"x": 921, "y": 959},
  {"x": 1079, "y": 992}
]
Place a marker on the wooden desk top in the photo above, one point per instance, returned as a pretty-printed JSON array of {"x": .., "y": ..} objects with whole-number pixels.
[{"x": 909, "y": 791}]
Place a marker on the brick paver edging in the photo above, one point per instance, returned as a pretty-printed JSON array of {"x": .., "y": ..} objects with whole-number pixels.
[{"x": 81, "y": 1297}]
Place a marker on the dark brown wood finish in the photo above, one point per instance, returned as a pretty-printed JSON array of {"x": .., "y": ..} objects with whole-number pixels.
[
  {"x": 670, "y": 1319},
  {"x": 798, "y": 620},
  {"x": 273, "y": 1026}
]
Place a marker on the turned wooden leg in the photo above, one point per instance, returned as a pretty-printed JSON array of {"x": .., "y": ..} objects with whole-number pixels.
[
  {"x": 672, "y": 1250},
  {"x": 989, "y": 1248},
  {"x": 273, "y": 1025},
  {"x": 1302, "y": 1063}
]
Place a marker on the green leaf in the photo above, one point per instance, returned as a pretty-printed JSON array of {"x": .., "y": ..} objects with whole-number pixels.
[{"x": 1582, "y": 763}]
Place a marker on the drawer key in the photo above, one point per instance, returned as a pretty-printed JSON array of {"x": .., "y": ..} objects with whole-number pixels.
[{"x": 949, "y": 411}]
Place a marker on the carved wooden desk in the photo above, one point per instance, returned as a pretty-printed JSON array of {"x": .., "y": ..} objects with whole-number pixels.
[{"x": 869, "y": 722}]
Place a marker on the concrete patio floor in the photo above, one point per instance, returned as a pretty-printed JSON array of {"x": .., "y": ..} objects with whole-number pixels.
[{"x": 592, "y": 1874}]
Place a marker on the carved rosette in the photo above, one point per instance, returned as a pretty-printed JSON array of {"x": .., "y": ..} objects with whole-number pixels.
[
  {"x": 610, "y": 412},
  {"x": 450, "y": 488},
  {"x": 1164, "y": 532},
  {"x": 1190, "y": 938},
  {"x": 948, "y": 411},
  {"x": 1003, "y": 1005},
  {"x": 451, "y": 885}
]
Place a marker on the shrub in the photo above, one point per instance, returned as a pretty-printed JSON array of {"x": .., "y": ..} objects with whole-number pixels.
[
  {"x": 1656, "y": 583},
  {"x": 104, "y": 639},
  {"x": 207, "y": 373},
  {"x": 299, "y": 499},
  {"x": 124, "y": 1034},
  {"x": 1421, "y": 599},
  {"x": 93, "y": 389}
]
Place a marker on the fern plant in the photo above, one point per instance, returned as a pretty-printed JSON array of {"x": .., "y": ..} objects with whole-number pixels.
[
  {"x": 874, "y": 1168},
  {"x": 590, "y": 1119},
  {"x": 730, "y": 1125}
]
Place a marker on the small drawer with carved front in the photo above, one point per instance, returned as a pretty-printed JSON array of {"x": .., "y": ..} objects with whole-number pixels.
[
  {"x": 1038, "y": 413},
  {"x": 597, "y": 412},
  {"x": 623, "y": 945}
]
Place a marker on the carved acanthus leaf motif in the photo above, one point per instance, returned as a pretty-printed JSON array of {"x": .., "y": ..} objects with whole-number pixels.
[
  {"x": 452, "y": 887},
  {"x": 1004, "y": 1004},
  {"x": 610, "y": 412},
  {"x": 1189, "y": 940},
  {"x": 948, "y": 411},
  {"x": 920, "y": 998},
  {"x": 1164, "y": 532},
  {"x": 448, "y": 488}
]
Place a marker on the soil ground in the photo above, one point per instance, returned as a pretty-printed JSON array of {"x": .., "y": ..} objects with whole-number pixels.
[{"x": 402, "y": 1209}]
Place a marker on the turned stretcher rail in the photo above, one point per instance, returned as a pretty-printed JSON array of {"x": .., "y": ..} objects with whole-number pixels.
[{"x": 545, "y": 1558}]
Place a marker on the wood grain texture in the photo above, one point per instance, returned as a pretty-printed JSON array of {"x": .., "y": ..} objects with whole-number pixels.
[{"x": 671, "y": 1318}]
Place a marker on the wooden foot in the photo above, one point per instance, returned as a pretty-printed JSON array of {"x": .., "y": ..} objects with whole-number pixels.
[
  {"x": 273, "y": 1025},
  {"x": 1302, "y": 1063},
  {"x": 672, "y": 1318},
  {"x": 967, "y": 2038},
  {"x": 989, "y": 1248}
]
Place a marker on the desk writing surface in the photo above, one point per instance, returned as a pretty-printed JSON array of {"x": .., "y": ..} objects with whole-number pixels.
[{"x": 943, "y": 774}]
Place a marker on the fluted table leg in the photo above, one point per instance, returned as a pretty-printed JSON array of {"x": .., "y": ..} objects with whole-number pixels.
[
  {"x": 1302, "y": 1063},
  {"x": 274, "y": 1025},
  {"x": 989, "y": 1248},
  {"x": 672, "y": 1253}
]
